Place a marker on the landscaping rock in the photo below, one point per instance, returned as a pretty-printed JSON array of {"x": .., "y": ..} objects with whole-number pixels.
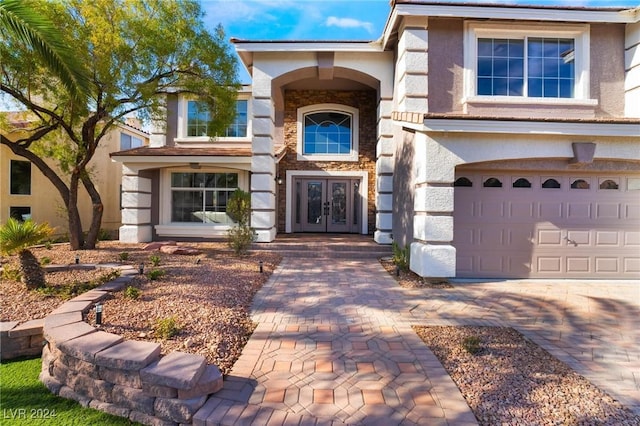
[
  {"x": 156, "y": 245},
  {"x": 188, "y": 251}
]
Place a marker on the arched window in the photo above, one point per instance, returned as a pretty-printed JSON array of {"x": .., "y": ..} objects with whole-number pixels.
[
  {"x": 328, "y": 132},
  {"x": 492, "y": 183},
  {"x": 551, "y": 183},
  {"x": 463, "y": 181},
  {"x": 608, "y": 184},
  {"x": 580, "y": 184},
  {"x": 522, "y": 183}
]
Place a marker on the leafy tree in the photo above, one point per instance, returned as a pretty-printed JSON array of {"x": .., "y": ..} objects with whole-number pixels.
[
  {"x": 18, "y": 20},
  {"x": 17, "y": 237},
  {"x": 136, "y": 51}
]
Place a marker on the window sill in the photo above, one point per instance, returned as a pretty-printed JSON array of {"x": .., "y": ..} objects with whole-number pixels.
[
  {"x": 327, "y": 157},
  {"x": 204, "y": 230},
  {"x": 513, "y": 100},
  {"x": 207, "y": 139}
]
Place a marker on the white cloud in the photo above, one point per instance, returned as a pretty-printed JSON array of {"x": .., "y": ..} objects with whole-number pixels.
[{"x": 333, "y": 21}]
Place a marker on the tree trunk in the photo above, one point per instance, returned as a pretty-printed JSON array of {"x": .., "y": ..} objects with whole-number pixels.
[
  {"x": 76, "y": 239},
  {"x": 32, "y": 272},
  {"x": 96, "y": 216}
]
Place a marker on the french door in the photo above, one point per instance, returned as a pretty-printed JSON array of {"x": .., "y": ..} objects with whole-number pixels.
[{"x": 327, "y": 205}]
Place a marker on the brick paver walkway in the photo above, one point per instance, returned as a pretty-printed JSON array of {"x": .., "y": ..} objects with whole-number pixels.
[{"x": 334, "y": 344}]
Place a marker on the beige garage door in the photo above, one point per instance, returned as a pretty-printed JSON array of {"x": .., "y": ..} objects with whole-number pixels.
[{"x": 517, "y": 225}]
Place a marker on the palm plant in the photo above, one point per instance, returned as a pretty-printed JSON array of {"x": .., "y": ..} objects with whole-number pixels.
[
  {"x": 19, "y": 20},
  {"x": 17, "y": 237}
]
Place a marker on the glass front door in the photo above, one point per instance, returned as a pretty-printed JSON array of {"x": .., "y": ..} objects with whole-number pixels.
[{"x": 326, "y": 205}]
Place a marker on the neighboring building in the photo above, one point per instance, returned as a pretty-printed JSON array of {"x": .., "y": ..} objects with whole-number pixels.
[
  {"x": 496, "y": 140},
  {"x": 26, "y": 193}
]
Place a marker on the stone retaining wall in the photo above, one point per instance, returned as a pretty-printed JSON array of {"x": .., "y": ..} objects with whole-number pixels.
[
  {"x": 125, "y": 378},
  {"x": 20, "y": 339}
]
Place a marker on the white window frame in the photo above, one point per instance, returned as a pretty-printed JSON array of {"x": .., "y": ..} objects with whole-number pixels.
[
  {"x": 475, "y": 30},
  {"x": 343, "y": 109},
  {"x": 140, "y": 140},
  {"x": 183, "y": 109},
  {"x": 167, "y": 228}
]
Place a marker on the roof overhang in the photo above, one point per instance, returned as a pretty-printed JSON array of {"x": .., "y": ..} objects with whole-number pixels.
[
  {"x": 401, "y": 8},
  {"x": 195, "y": 158},
  {"x": 434, "y": 124},
  {"x": 247, "y": 48}
]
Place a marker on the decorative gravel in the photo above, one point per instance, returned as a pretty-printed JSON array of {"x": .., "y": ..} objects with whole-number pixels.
[
  {"x": 209, "y": 296},
  {"x": 512, "y": 381}
]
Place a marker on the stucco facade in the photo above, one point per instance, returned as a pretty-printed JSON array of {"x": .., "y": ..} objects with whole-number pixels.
[
  {"x": 420, "y": 117},
  {"x": 44, "y": 203}
]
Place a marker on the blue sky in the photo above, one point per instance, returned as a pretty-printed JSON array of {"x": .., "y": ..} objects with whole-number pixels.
[{"x": 329, "y": 19}]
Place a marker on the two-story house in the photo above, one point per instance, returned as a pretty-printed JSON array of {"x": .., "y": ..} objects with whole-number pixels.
[
  {"x": 495, "y": 140},
  {"x": 25, "y": 193}
]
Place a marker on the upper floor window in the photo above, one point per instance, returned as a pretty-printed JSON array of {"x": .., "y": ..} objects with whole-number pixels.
[
  {"x": 327, "y": 132},
  {"x": 128, "y": 141},
  {"x": 527, "y": 61},
  {"x": 20, "y": 178},
  {"x": 198, "y": 119},
  {"x": 533, "y": 67}
]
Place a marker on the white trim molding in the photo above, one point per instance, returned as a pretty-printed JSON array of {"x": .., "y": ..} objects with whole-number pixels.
[
  {"x": 477, "y": 29},
  {"x": 345, "y": 109}
]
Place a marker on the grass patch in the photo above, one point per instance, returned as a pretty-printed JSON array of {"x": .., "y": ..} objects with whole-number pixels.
[{"x": 26, "y": 401}]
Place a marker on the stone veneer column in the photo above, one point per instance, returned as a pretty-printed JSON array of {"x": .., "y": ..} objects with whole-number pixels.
[
  {"x": 632, "y": 70},
  {"x": 384, "y": 174},
  {"x": 432, "y": 253},
  {"x": 136, "y": 208},
  {"x": 263, "y": 163}
]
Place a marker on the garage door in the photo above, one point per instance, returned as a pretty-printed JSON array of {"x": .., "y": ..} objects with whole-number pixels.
[{"x": 517, "y": 225}]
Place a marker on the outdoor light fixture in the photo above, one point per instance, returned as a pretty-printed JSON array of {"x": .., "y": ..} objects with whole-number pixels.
[
  {"x": 141, "y": 268},
  {"x": 261, "y": 265},
  {"x": 98, "y": 307},
  {"x": 278, "y": 180},
  {"x": 77, "y": 259},
  {"x": 397, "y": 270}
]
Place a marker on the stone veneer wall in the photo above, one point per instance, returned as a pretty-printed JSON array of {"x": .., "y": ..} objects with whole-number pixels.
[
  {"x": 125, "y": 378},
  {"x": 366, "y": 102}
]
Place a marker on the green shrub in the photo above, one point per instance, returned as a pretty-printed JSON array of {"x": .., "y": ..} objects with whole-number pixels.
[
  {"x": 166, "y": 328},
  {"x": 104, "y": 235},
  {"x": 155, "y": 274},
  {"x": 400, "y": 256},
  {"x": 239, "y": 207},
  {"x": 240, "y": 239},
  {"x": 132, "y": 292},
  {"x": 154, "y": 259},
  {"x": 45, "y": 260},
  {"x": 471, "y": 344},
  {"x": 11, "y": 274},
  {"x": 124, "y": 256},
  {"x": 48, "y": 245}
]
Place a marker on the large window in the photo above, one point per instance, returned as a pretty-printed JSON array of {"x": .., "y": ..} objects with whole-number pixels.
[
  {"x": 533, "y": 67},
  {"x": 198, "y": 118},
  {"x": 20, "y": 177},
  {"x": 201, "y": 197},
  {"x": 128, "y": 141},
  {"x": 527, "y": 61},
  {"x": 328, "y": 132}
]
